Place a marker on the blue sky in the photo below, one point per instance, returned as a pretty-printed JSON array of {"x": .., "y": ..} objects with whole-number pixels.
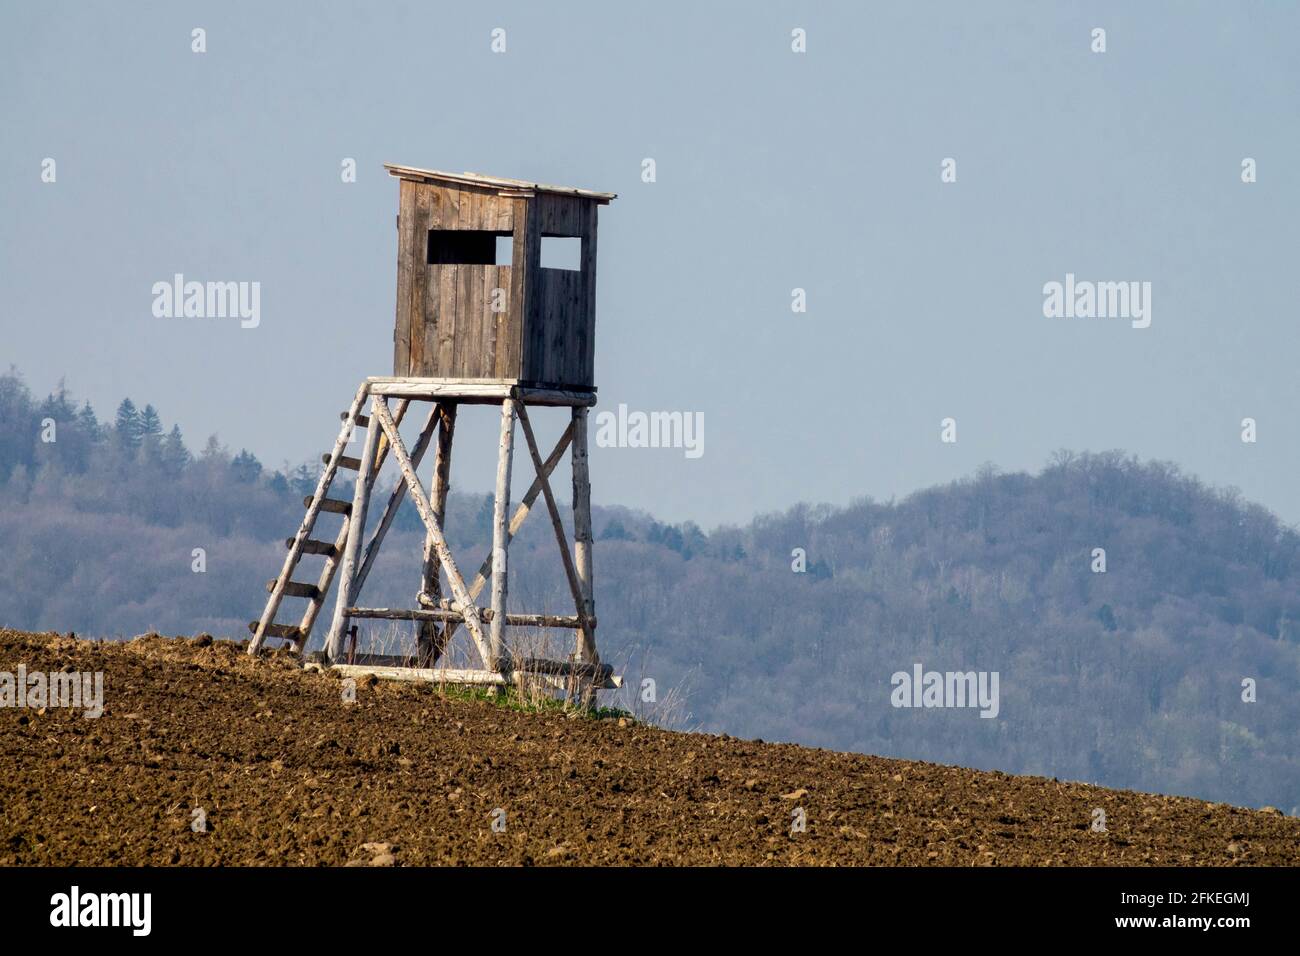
[{"x": 775, "y": 171}]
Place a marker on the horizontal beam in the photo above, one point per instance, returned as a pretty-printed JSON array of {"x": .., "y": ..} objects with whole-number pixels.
[
  {"x": 434, "y": 675},
  {"x": 485, "y": 614},
  {"x": 286, "y": 631},
  {"x": 313, "y": 546},
  {"x": 440, "y": 675},
  {"x": 537, "y": 665},
  {"x": 471, "y": 391},
  {"x": 295, "y": 589}
]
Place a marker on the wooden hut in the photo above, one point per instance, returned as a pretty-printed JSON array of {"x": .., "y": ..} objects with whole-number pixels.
[{"x": 496, "y": 279}]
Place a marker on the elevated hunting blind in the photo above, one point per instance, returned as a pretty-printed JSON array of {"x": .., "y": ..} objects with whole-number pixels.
[
  {"x": 488, "y": 314},
  {"x": 484, "y": 287}
]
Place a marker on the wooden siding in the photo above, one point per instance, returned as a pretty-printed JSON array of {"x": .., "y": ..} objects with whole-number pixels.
[{"x": 445, "y": 324}]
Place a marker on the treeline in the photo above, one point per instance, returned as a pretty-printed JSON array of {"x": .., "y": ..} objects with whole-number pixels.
[{"x": 788, "y": 628}]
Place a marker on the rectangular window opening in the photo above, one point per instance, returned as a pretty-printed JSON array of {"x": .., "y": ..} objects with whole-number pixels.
[
  {"x": 457, "y": 247},
  {"x": 562, "y": 252}
]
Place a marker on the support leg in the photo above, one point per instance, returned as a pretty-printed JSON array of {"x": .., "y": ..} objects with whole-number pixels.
[
  {"x": 501, "y": 533},
  {"x": 432, "y": 641},
  {"x": 356, "y": 532},
  {"x": 582, "y": 541},
  {"x": 582, "y": 547}
]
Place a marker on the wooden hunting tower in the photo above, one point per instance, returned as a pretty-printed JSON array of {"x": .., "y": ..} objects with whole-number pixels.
[
  {"x": 488, "y": 315},
  {"x": 463, "y": 312}
]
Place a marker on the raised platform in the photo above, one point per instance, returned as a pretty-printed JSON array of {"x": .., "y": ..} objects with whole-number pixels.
[{"x": 483, "y": 391}]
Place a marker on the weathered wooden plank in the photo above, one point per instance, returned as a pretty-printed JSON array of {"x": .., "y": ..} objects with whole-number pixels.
[
  {"x": 528, "y": 252},
  {"x": 500, "y": 532},
  {"x": 582, "y": 537},
  {"x": 566, "y": 365},
  {"x": 468, "y": 392},
  {"x": 432, "y": 675},
  {"x": 439, "y": 675},
  {"x": 356, "y": 529},
  {"x": 495, "y": 278},
  {"x": 295, "y": 589},
  {"x": 283, "y": 631},
  {"x": 406, "y": 266},
  {"x": 561, "y": 297},
  {"x": 585, "y": 340},
  {"x": 437, "y": 613},
  {"x": 312, "y": 546},
  {"x": 448, "y": 320},
  {"x": 430, "y": 642},
  {"x": 420, "y": 215},
  {"x": 469, "y": 315},
  {"x": 496, "y": 182},
  {"x": 509, "y": 357},
  {"x": 569, "y": 621},
  {"x": 505, "y": 213},
  {"x": 560, "y": 216}
]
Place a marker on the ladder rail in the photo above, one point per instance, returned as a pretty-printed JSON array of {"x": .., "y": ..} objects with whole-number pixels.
[
  {"x": 332, "y": 561},
  {"x": 309, "y": 519}
]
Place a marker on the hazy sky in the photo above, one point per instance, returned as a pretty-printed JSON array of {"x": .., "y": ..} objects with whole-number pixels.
[{"x": 775, "y": 170}]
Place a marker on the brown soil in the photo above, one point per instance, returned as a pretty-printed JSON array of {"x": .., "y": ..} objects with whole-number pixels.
[{"x": 288, "y": 774}]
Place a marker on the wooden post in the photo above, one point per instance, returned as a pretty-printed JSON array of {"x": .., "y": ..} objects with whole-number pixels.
[
  {"x": 501, "y": 534},
  {"x": 584, "y": 690},
  {"x": 430, "y": 642},
  {"x": 356, "y": 531}
]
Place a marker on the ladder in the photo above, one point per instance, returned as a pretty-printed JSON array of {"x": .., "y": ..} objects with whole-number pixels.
[{"x": 303, "y": 543}]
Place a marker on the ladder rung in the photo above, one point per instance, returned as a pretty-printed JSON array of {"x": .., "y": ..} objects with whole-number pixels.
[
  {"x": 363, "y": 421},
  {"x": 331, "y": 504},
  {"x": 296, "y": 589},
  {"x": 344, "y": 462},
  {"x": 288, "y": 631},
  {"x": 313, "y": 546}
]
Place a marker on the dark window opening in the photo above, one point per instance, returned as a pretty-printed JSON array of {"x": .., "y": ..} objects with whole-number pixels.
[{"x": 457, "y": 247}]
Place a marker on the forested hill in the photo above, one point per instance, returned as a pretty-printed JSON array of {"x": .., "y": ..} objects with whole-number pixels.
[{"x": 790, "y": 628}]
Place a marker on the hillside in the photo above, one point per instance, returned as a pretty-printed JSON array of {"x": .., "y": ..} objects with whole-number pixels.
[
  {"x": 1131, "y": 677},
  {"x": 286, "y": 773}
]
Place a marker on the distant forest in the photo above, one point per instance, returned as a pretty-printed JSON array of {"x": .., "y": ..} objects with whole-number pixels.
[{"x": 1131, "y": 677}]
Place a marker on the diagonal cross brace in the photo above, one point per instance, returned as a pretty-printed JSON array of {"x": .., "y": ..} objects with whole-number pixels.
[
  {"x": 517, "y": 520},
  {"x": 421, "y": 501},
  {"x": 575, "y": 586},
  {"x": 396, "y": 496}
]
